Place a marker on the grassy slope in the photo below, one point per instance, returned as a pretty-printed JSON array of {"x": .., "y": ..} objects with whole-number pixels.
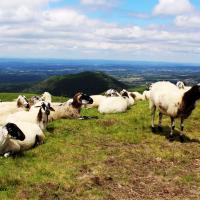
[{"x": 114, "y": 157}]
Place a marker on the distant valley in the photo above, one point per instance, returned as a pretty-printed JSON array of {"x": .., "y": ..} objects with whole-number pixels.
[{"x": 18, "y": 75}]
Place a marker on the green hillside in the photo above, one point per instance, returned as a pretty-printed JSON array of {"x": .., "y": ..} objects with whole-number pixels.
[
  {"x": 115, "y": 157},
  {"x": 68, "y": 85}
]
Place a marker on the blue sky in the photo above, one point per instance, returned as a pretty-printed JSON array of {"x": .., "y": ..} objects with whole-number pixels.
[{"x": 154, "y": 30}]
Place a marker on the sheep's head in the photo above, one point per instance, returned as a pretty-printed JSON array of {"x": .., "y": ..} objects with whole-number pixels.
[
  {"x": 22, "y": 102},
  {"x": 80, "y": 99},
  {"x": 112, "y": 93},
  {"x": 14, "y": 131},
  {"x": 34, "y": 100},
  {"x": 180, "y": 85},
  {"x": 45, "y": 109},
  {"x": 124, "y": 93}
]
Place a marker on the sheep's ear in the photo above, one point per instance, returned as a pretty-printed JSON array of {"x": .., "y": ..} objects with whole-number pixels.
[
  {"x": 14, "y": 131},
  {"x": 51, "y": 109},
  {"x": 132, "y": 95}
]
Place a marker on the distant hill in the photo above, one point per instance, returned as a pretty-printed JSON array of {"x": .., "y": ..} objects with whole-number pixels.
[{"x": 68, "y": 85}]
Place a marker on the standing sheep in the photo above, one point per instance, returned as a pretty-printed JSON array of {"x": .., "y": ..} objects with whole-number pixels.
[{"x": 169, "y": 100}]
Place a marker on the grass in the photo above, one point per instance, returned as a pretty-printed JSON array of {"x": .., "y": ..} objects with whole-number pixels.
[{"x": 113, "y": 157}]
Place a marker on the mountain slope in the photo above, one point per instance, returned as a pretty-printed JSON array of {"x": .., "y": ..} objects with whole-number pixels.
[{"x": 68, "y": 85}]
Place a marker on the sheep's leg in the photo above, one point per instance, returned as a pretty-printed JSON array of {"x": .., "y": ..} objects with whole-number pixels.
[
  {"x": 172, "y": 128},
  {"x": 153, "y": 110},
  {"x": 160, "y": 122},
  {"x": 182, "y": 127},
  {"x": 12, "y": 147},
  {"x": 39, "y": 139}
]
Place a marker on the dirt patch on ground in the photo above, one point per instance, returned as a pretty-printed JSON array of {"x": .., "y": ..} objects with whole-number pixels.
[{"x": 107, "y": 123}]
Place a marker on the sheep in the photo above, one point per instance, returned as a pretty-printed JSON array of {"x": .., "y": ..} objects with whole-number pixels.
[
  {"x": 37, "y": 115},
  {"x": 137, "y": 96},
  {"x": 34, "y": 100},
  {"x": 46, "y": 96},
  {"x": 7, "y": 108},
  {"x": 112, "y": 93},
  {"x": 182, "y": 86},
  {"x": 71, "y": 110},
  {"x": 113, "y": 105},
  {"x": 18, "y": 137},
  {"x": 96, "y": 101},
  {"x": 130, "y": 100},
  {"x": 170, "y": 101},
  {"x": 7, "y": 133},
  {"x": 146, "y": 94}
]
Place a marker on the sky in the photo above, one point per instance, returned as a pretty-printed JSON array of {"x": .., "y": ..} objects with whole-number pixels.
[{"x": 148, "y": 30}]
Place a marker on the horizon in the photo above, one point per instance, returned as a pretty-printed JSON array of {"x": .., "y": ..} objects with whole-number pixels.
[{"x": 197, "y": 64}]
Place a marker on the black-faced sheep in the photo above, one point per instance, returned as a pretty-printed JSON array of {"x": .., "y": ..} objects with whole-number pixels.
[
  {"x": 169, "y": 100},
  {"x": 71, "y": 110}
]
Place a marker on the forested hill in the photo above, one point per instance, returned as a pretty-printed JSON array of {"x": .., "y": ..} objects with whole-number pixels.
[{"x": 68, "y": 85}]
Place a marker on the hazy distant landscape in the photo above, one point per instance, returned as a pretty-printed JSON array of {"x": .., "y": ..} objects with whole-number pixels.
[{"x": 17, "y": 75}]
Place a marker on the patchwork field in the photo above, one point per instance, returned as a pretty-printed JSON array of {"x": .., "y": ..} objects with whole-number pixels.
[{"x": 113, "y": 157}]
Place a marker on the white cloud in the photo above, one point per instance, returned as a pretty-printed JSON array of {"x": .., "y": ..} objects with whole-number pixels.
[
  {"x": 173, "y": 7},
  {"x": 31, "y": 31},
  {"x": 188, "y": 21},
  {"x": 99, "y": 3}
]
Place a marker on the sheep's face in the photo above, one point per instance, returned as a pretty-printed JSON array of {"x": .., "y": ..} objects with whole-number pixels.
[
  {"x": 13, "y": 131},
  {"x": 124, "y": 93},
  {"x": 112, "y": 93},
  {"x": 85, "y": 99},
  {"x": 46, "y": 108},
  {"x": 23, "y": 102},
  {"x": 180, "y": 85},
  {"x": 35, "y": 99}
]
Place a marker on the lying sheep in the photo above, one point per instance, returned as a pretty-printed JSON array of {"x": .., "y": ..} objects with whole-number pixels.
[
  {"x": 146, "y": 95},
  {"x": 18, "y": 137},
  {"x": 97, "y": 99},
  {"x": 137, "y": 96},
  {"x": 112, "y": 93},
  {"x": 71, "y": 110},
  {"x": 38, "y": 114},
  {"x": 46, "y": 96},
  {"x": 130, "y": 100},
  {"x": 7, "y": 108},
  {"x": 34, "y": 100},
  {"x": 113, "y": 105},
  {"x": 169, "y": 100}
]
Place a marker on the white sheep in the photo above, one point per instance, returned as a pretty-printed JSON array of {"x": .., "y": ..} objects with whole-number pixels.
[
  {"x": 97, "y": 99},
  {"x": 7, "y": 108},
  {"x": 18, "y": 137},
  {"x": 112, "y": 93},
  {"x": 130, "y": 100},
  {"x": 171, "y": 101},
  {"x": 182, "y": 86},
  {"x": 137, "y": 96},
  {"x": 113, "y": 105},
  {"x": 38, "y": 114},
  {"x": 46, "y": 96},
  {"x": 72, "y": 109},
  {"x": 146, "y": 94}
]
